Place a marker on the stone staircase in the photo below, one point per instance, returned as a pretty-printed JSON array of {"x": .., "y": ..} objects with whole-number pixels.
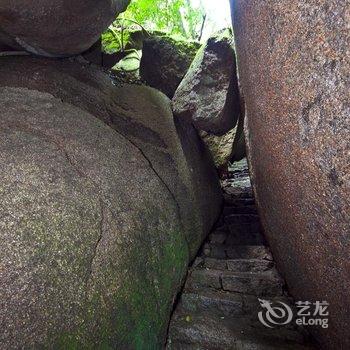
[{"x": 218, "y": 308}]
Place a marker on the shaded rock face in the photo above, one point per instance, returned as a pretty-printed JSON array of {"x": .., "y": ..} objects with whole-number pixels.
[
  {"x": 208, "y": 95},
  {"x": 220, "y": 146},
  {"x": 94, "y": 236},
  {"x": 227, "y": 148},
  {"x": 56, "y": 28},
  {"x": 165, "y": 62},
  {"x": 294, "y": 64}
]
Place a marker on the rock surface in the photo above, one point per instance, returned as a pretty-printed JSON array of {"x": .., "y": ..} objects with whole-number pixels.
[
  {"x": 294, "y": 64},
  {"x": 56, "y": 28},
  {"x": 97, "y": 196},
  {"x": 227, "y": 148},
  {"x": 208, "y": 96},
  {"x": 165, "y": 62},
  {"x": 220, "y": 146}
]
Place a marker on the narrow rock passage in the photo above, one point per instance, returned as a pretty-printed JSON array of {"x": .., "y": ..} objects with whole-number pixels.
[{"x": 219, "y": 305}]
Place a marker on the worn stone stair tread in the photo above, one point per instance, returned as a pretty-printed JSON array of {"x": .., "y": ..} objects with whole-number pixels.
[
  {"x": 241, "y": 235},
  {"x": 223, "y": 303},
  {"x": 260, "y": 284},
  {"x": 239, "y": 345},
  {"x": 215, "y": 301},
  {"x": 266, "y": 283},
  {"x": 240, "y": 209},
  {"x": 229, "y": 332},
  {"x": 215, "y": 250},
  {"x": 243, "y": 228},
  {"x": 235, "y": 201},
  {"x": 237, "y": 251},
  {"x": 238, "y": 265},
  {"x": 241, "y": 218},
  {"x": 238, "y": 193},
  {"x": 218, "y": 236},
  {"x": 249, "y": 252},
  {"x": 226, "y": 303}
]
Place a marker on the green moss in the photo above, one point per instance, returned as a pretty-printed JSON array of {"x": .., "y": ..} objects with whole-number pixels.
[
  {"x": 148, "y": 296},
  {"x": 137, "y": 315}
]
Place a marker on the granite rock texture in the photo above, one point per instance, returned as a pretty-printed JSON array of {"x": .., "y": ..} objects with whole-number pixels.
[
  {"x": 294, "y": 64},
  {"x": 208, "y": 96},
  {"x": 56, "y": 28},
  {"x": 99, "y": 208},
  {"x": 165, "y": 61}
]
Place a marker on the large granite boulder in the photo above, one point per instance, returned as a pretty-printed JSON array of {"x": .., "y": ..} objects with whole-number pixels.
[
  {"x": 56, "y": 28},
  {"x": 165, "y": 61},
  {"x": 97, "y": 191},
  {"x": 294, "y": 64},
  {"x": 208, "y": 96}
]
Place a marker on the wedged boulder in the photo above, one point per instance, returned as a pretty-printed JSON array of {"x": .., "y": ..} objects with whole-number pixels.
[
  {"x": 165, "y": 61},
  {"x": 294, "y": 65},
  {"x": 208, "y": 96},
  {"x": 227, "y": 148},
  {"x": 220, "y": 146},
  {"x": 97, "y": 193},
  {"x": 56, "y": 28}
]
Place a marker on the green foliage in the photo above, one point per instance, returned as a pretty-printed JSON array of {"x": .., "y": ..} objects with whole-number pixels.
[{"x": 173, "y": 17}]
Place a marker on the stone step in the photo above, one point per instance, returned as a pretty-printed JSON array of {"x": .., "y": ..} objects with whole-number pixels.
[
  {"x": 200, "y": 278},
  {"x": 239, "y": 345},
  {"x": 208, "y": 331},
  {"x": 214, "y": 250},
  {"x": 239, "y": 219},
  {"x": 249, "y": 265},
  {"x": 223, "y": 251},
  {"x": 262, "y": 284},
  {"x": 212, "y": 263},
  {"x": 219, "y": 236},
  {"x": 238, "y": 265},
  {"x": 215, "y": 302},
  {"x": 223, "y": 303},
  {"x": 238, "y": 202},
  {"x": 240, "y": 209},
  {"x": 235, "y": 307},
  {"x": 241, "y": 235},
  {"x": 244, "y": 228},
  {"x": 238, "y": 192},
  {"x": 249, "y": 252}
]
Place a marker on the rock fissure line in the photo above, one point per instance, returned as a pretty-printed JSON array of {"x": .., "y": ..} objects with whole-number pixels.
[{"x": 159, "y": 177}]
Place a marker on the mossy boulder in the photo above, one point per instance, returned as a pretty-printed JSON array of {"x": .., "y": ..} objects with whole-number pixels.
[
  {"x": 96, "y": 181},
  {"x": 165, "y": 61}
]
